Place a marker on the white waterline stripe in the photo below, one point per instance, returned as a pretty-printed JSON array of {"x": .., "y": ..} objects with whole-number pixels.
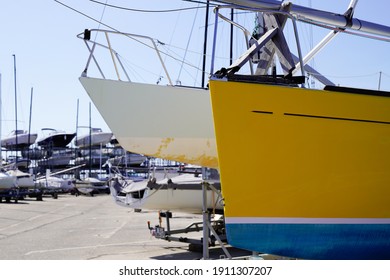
[{"x": 253, "y": 220}]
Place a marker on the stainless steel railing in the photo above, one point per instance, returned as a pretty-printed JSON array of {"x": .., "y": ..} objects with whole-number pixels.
[{"x": 91, "y": 45}]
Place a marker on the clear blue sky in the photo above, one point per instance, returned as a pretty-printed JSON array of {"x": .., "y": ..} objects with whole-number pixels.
[{"x": 49, "y": 57}]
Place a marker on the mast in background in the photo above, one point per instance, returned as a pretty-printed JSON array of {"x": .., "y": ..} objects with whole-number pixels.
[
  {"x": 29, "y": 122},
  {"x": 16, "y": 110},
  {"x": 205, "y": 43}
]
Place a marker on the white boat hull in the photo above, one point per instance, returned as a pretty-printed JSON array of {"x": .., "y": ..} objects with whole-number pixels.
[
  {"x": 55, "y": 139},
  {"x": 19, "y": 141},
  {"x": 23, "y": 180},
  {"x": 89, "y": 185},
  {"x": 62, "y": 160},
  {"x": 129, "y": 159},
  {"x": 7, "y": 182},
  {"x": 173, "y": 123},
  {"x": 96, "y": 140},
  {"x": 55, "y": 184},
  {"x": 26, "y": 182},
  {"x": 183, "y": 194}
]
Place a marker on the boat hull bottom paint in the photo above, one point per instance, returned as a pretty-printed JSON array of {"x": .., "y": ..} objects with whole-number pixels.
[
  {"x": 183, "y": 150},
  {"x": 314, "y": 241}
]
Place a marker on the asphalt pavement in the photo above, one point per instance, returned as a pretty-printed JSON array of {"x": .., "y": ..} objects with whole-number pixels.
[{"x": 85, "y": 228}]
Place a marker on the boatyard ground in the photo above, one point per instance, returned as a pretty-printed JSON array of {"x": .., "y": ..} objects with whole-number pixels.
[{"x": 84, "y": 228}]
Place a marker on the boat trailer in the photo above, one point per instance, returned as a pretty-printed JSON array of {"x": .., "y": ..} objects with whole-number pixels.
[
  {"x": 17, "y": 194},
  {"x": 213, "y": 230},
  {"x": 158, "y": 231}
]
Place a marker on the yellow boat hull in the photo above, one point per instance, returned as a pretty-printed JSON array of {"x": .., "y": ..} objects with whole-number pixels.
[{"x": 307, "y": 158}]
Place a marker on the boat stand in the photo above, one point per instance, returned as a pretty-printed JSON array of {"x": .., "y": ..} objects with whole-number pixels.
[
  {"x": 207, "y": 227},
  {"x": 212, "y": 230}
]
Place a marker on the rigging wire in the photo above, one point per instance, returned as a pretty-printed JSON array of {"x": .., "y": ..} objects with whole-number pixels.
[
  {"x": 87, "y": 16},
  {"x": 349, "y": 76},
  {"x": 361, "y": 76},
  {"x": 101, "y": 19},
  {"x": 188, "y": 43},
  {"x": 146, "y": 11},
  {"x": 161, "y": 11},
  {"x": 116, "y": 30},
  {"x": 385, "y": 74},
  {"x": 168, "y": 48},
  {"x": 196, "y": 67}
]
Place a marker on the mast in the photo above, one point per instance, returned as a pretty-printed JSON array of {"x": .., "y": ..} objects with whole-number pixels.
[
  {"x": 16, "y": 112},
  {"x": 77, "y": 127},
  {"x": 231, "y": 35},
  {"x": 77, "y": 119},
  {"x": 29, "y": 123},
  {"x": 205, "y": 42},
  {"x": 90, "y": 141}
]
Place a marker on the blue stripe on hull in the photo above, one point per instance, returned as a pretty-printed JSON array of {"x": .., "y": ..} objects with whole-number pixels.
[{"x": 314, "y": 241}]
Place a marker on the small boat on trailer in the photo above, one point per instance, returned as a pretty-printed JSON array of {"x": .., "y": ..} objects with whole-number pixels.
[{"x": 181, "y": 193}]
